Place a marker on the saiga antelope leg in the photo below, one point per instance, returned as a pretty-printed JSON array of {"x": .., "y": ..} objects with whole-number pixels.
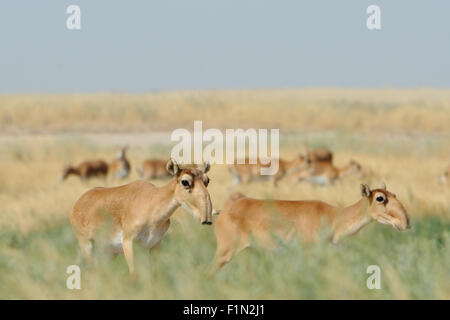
[
  {"x": 157, "y": 246},
  {"x": 226, "y": 249},
  {"x": 127, "y": 246},
  {"x": 86, "y": 247}
]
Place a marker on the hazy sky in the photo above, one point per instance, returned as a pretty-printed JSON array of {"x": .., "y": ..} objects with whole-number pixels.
[{"x": 145, "y": 45}]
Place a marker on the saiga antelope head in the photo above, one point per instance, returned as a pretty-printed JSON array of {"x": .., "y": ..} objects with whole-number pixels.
[
  {"x": 191, "y": 190},
  {"x": 384, "y": 207}
]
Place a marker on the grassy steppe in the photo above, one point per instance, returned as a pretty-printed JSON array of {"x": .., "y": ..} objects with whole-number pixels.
[
  {"x": 413, "y": 265},
  {"x": 400, "y": 137},
  {"x": 392, "y": 110}
]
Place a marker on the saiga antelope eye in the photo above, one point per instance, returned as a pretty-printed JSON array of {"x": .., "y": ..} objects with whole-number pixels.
[
  {"x": 380, "y": 199},
  {"x": 185, "y": 183},
  {"x": 206, "y": 182}
]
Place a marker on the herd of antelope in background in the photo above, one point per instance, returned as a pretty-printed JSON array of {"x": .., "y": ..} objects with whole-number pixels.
[{"x": 140, "y": 211}]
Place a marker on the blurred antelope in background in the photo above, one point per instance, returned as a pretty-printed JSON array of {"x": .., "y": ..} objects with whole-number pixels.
[
  {"x": 244, "y": 217},
  {"x": 324, "y": 173},
  {"x": 444, "y": 178},
  {"x": 319, "y": 154},
  {"x": 120, "y": 167},
  {"x": 245, "y": 173},
  {"x": 139, "y": 211},
  {"x": 86, "y": 170},
  {"x": 153, "y": 169}
]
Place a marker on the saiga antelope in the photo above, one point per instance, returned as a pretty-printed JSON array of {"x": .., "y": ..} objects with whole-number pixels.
[
  {"x": 139, "y": 211},
  {"x": 444, "y": 178},
  {"x": 86, "y": 170},
  {"x": 244, "y": 217},
  {"x": 325, "y": 173},
  {"x": 120, "y": 167},
  {"x": 320, "y": 154},
  {"x": 244, "y": 173},
  {"x": 155, "y": 168},
  {"x": 152, "y": 169}
]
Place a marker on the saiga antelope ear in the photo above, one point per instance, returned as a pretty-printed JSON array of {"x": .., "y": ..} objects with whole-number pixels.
[
  {"x": 206, "y": 167},
  {"x": 172, "y": 167},
  {"x": 365, "y": 190},
  {"x": 383, "y": 186}
]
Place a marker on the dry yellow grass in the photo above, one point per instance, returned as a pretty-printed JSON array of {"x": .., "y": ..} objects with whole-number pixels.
[{"x": 426, "y": 110}]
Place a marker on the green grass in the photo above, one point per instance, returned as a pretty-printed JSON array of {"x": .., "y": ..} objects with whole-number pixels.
[{"x": 413, "y": 266}]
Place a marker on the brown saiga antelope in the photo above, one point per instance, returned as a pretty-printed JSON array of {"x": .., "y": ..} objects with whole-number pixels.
[
  {"x": 156, "y": 169},
  {"x": 139, "y": 211},
  {"x": 153, "y": 169},
  {"x": 324, "y": 173},
  {"x": 120, "y": 167},
  {"x": 319, "y": 154},
  {"x": 244, "y": 173},
  {"x": 244, "y": 217},
  {"x": 444, "y": 178},
  {"x": 86, "y": 170}
]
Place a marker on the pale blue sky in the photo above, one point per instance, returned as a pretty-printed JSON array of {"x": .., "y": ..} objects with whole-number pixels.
[{"x": 142, "y": 45}]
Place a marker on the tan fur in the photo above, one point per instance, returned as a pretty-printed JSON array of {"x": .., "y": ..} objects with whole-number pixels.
[
  {"x": 245, "y": 218},
  {"x": 139, "y": 210},
  {"x": 120, "y": 167},
  {"x": 325, "y": 173},
  {"x": 152, "y": 169},
  {"x": 244, "y": 173},
  {"x": 156, "y": 169},
  {"x": 86, "y": 170},
  {"x": 320, "y": 154}
]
